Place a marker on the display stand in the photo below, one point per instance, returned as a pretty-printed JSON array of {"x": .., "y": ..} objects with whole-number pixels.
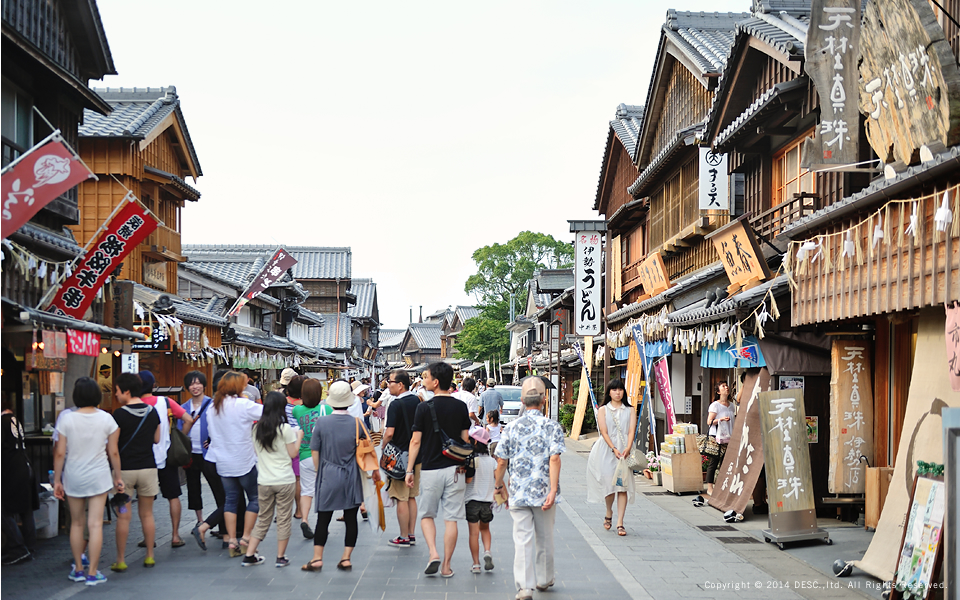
[
  {"x": 683, "y": 472},
  {"x": 794, "y": 526}
]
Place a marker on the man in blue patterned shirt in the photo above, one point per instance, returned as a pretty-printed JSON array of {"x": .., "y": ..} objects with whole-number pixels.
[{"x": 530, "y": 447}]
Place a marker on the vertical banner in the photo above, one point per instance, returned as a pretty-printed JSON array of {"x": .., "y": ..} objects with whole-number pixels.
[
  {"x": 125, "y": 231},
  {"x": 741, "y": 466},
  {"x": 831, "y": 52},
  {"x": 786, "y": 453},
  {"x": 48, "y": 170},
  {"x": 851, "y": 416},
  {"x": 952, "y": 335},
  {"x": 662, "y": 370},
  {"x": 714, "y": 181},
  {"x": 269, "y": 274},
  {"x": 587, "y": 294}
]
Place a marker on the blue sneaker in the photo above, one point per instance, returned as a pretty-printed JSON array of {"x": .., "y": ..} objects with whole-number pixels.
[
  {"x": 83, "y": 560},
  {"x": 77, "y": 575},
  {"x": 96, "y": 579}
]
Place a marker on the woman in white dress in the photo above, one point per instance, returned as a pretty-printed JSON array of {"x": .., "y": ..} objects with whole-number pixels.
[{"x": 617, "y": 421}]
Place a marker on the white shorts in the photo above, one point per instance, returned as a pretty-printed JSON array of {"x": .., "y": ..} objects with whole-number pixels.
[
  {"x": 442, "y": 490},
  {"x": 308, "y": 477}
]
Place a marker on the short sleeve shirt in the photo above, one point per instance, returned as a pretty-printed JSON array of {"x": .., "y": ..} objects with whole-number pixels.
[
  {"x": 307, "y": 420},
  {"x": 136, "y": 451},
  {"x": 453, "y": 419},
  {"x": 230, "y": 438},
  {"x": 528, "y": 443},
  {"x": 86, "y": 471},
  {"x": 273, "y": 464}
]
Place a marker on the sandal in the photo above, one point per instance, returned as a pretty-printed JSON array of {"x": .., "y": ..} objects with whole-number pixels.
[
  {"x": 312, "y": 565},
  {"x": 244, "y": 542},
  {"x": 621, "y": 530},
  {"x": 607, "y": 523},
  {"x": 234, "y": 549},
  {"x": 475, "y": 569},
  {"x": 344, "y": 567}
]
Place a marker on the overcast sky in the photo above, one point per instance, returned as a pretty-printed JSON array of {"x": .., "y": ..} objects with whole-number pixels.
[{"x": 413, "y": 132}]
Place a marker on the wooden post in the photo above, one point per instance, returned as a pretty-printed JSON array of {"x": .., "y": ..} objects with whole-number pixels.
[{"x": 583, "y": 400}]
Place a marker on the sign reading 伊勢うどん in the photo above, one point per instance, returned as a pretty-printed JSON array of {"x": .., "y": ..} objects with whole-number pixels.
[{"x": 587, "y": 293}]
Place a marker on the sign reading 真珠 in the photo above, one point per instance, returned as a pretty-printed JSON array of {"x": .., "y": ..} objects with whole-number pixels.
[
  {"x": 785, "y": 450},
  {"x": 851, "y": 416}
]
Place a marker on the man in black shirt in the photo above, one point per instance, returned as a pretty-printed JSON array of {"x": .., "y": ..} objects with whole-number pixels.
[
  {"x": 139, "y": 430},
  {"x": 441, "y": 486},
  {"x": 399, "y": 428}
]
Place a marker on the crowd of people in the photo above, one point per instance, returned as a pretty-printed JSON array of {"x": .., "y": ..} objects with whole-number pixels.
[{"x": 293, "y": 452}]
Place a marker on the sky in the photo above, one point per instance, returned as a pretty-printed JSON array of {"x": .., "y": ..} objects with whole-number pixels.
[{"x": 412, "y": 132}]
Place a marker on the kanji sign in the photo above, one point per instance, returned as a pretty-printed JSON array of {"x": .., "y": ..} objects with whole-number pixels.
[
  {"x": 786, "y": 451},
  {"x": 653, "y": 274},
  {"x": 268, "y": 275},
  {"x": 125, "y": 231},
  {"x": 714, "y": 181},
  {"x": 157, "y": 337},
  {"x": 54, "y": 344},
  {"x": 952, "y": 334},
  {"x": 84, "y": 343},
  {"x": 587, "y": 292},
  {"x": 740, "y": 253},
  {"x": 46, "y": 172},
  {"x": 851, "y": 416}
]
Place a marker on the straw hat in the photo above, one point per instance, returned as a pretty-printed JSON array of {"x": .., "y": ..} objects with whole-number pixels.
[{"x": 340, "y": 395}]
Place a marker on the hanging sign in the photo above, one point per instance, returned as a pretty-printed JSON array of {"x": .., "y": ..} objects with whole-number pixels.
[
  {"x": 653, "y": 275},
  {"x": 660, "y": 367},
  {"x": 125, "y": 231},
  {"x": 36, "y": 360},
  {"x": 157, "y": 338},
  {"x": 740, "y": 254},
  {"x": 831, "y": 52},
  {"x": 587, "y": 293},
  {"x": 46, "y": 171},
  {"x": 909, "y": 80},
  {"x": 155, "y": 274},
  {"x": 786, "y": 451},
  {"x": 269, "y": 274},
  {"x": 740, "y": 469},
  {"x": 191, "y": 339},
  {"x": 84, "y": 343},
  {"x": 130, "y": 363},
  {"x": 851, "y": 416},
  {"x": 714, "y": 181},
  {"x": 952, "y": 334},
  {"x": 55, "y": 344}
]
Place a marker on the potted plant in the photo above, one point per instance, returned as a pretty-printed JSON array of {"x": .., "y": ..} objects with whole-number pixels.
[
  {"x": 653, "y": 468},
  {"x": 704, "y": 465}
]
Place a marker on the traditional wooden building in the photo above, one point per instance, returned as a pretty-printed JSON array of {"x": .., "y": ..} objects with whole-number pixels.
[
  {"x": 365, "y": 319},
  {"x": 422, "y": 345}
]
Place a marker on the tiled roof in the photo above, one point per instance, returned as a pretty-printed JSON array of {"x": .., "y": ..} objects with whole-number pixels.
[
  {"x": 313, "y": 262},
  {"x": 947, "y": 162},
  {"x": 767, "y": 102},
  {"x": 308, "y": 315},
  {"x": 662, "y": 298},
  {"x": 366, "y": 291},
  {"x": 327, "y": 337},
  {"x": 553, "y": 280},
  {"x": 186, "y": 311},
  {"x": 251, "y": 336},
  {"x": 62, "y": 240},
  {"x": 216, "y": 305},
  {"x": 627, "y": 126},
  {"x": 696, "y": 313},
  {"x": 177, "y": 182},
  {"x": 681, "y": 139},
  {"x": 467, "y": 312},
  {"x": 390, "y": 338},
  {"x": 136, "y": 111},
  {"x": 426, "y": 335}
]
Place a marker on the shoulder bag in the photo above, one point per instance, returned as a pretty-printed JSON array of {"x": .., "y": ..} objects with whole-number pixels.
[
  {"x": 456, "y": 450},
  {"x": 393, "y": 460},
  {"x": 366, "y": 454},
  {"x": 135, "y": 431},
  {"x": 180, "y": 452}
]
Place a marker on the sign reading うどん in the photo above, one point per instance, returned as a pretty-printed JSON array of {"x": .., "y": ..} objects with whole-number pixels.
[{"x": 587, "y": 293}]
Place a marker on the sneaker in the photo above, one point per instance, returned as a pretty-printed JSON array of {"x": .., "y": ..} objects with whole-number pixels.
[
  {"x": 149, "y": 562},
  {"x": 412, "y": 539},
  {"x": 83, "y": 561},
  {"x": 96, "y": 579},
  {"x": 487, "y": 561},
  {"x": 400, "y": 542},
  {"x": 251, "y": 561},
  {"x": 118, "y": 567},
  {"x": 282, "y": 561},
  {"x": 76, "y": 575}
]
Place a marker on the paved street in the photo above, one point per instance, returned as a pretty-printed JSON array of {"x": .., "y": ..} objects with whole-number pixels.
[{"x": 665, "y": 556}]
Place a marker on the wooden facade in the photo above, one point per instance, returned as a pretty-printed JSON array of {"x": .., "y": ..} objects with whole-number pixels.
[{"x": 328, "y": 295}]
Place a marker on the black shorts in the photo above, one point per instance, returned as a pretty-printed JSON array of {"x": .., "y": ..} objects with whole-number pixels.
[
  {"x": 479, "y": 512},
  {"x": 169, "y": 477}
]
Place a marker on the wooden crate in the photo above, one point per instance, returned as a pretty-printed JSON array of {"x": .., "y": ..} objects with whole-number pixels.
[
  {"x": 878, "y": 482},
  {"x": 682, "y": 472}
]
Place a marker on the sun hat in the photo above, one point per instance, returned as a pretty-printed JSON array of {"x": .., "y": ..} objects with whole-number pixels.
[
  {"x": 287, "y": 375},
  {"x": 480, "y": 434},
  {"x": 359, "y": 388},
  {"x": 340, "y": 395}
]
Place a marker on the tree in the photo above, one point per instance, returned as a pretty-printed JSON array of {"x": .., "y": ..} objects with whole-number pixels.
[{"x": 483, "y": 338}]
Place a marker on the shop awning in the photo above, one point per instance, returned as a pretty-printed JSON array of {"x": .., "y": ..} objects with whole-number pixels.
[
  {"x": 728, "y": 356},
  {"x": 681, "y": 286},
  {"x": 32, "y": 315},
  {"x": 744, "y": 301}
]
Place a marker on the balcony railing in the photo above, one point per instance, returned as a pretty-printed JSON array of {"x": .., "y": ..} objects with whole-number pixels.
[
  {"x": 771, "y": 222},
  {"x": 166, "y": 241}
]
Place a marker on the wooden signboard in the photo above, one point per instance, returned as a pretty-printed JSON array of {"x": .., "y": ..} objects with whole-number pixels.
[
  {"x": 37, "y": 361},
  {"x": 740, "y": 254},
  {"x": 157, "y": 337},
  {"x": 909, "y": 80},
  {"x": 191, "y": 339},
  {"x": 55, "y": 344},
  {"x": 743, "y": 461},
  {"x": 919, "y": 557},
  {"x": 851, "y": 416},
  {"x": 831, "y": 52},
  {"x": 786, "y": 453},
  {"x": 653, "y": 275}
]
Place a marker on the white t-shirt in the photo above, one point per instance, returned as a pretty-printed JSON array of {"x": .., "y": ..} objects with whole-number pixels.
[
  {"x": 274, "y": 466},
  {"x": 481, "y": 488},
  {"x": 86, "y": 471},
  {"x": 196, "y": 444},
  {"x": 494, "y": 432},
  {"x": 356, "y": 409},
  {"x": 469, "y": 399},
  {"x": 229, "y": 431},
  {"x": 722, "y": 411},
  {"x": 160, "y": 449}
]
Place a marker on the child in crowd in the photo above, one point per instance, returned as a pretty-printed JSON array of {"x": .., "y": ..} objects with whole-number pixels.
[
  {"x": 493, "y": 426},
  {"x": 479, "y": 498}
]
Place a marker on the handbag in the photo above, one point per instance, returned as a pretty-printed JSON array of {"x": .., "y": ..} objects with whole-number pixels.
[
  {"x": 632, "y": 461},
  {"x": 393, "y": 460},
  {"x": 366, "y": 454},
  {"x": 180, "y": 452},
  {"x": 711, "y": 447},
  {"x": 456, "y": 450}
]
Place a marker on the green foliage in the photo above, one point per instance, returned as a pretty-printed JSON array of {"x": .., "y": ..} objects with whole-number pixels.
[
  {"x": 484, "y": 338},
  {"x": 568, "y": 412},
  {"x": 504, "y": 269}
]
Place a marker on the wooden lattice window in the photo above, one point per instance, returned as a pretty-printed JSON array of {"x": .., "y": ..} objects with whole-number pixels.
[{"x": 789, "y": 178}]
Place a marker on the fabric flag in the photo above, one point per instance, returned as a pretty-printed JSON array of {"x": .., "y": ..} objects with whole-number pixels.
[
  {"x": 268, "y": 275},
  {"x": 44, "y": 173},
  {"x": 126, "y": 230}
]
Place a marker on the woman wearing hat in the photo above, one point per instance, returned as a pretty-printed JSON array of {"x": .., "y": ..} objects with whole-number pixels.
[{"x": 338, "y": 487}]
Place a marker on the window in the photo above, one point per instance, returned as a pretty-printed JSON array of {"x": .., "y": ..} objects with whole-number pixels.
[
  {"x": 17, "y": 122},
  {"x": 788, "y": 177}
]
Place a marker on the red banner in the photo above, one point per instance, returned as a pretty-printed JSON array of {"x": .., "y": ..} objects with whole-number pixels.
[
  {"x": 36, "y": 180},
  {"x": 84, "y": 343},
  {"x": 126, "y": 230},
  {"x": 268, "y": 275}
]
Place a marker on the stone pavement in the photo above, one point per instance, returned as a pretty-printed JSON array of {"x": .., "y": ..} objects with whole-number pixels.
[{"x": 664, "y": 556}]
